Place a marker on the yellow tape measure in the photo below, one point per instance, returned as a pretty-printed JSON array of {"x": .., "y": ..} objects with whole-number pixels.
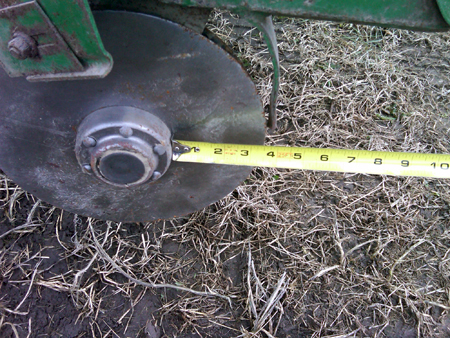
[{"x": 341, "y": 160}]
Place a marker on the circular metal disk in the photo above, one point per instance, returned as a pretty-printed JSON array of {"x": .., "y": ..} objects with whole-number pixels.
[{"x": 199, "y": 91}]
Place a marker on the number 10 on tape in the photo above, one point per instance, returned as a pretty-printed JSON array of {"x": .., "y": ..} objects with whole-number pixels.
[{"x": 340, "y": 160}]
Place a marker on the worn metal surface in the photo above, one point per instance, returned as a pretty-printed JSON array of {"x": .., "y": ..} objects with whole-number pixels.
[
  {"x": 69, "y": 45},
  {"x": 194, "y": 18},
  {"x": 192, "y": 85},
  {"x": 409, "y": 14},
  {"x": 124, "y": 146}
]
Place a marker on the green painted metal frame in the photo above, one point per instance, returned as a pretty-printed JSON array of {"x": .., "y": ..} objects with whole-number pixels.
[
  {"x": 75, "y": 22},
  {"x": 69, "y": 45},
  {"x": 30, "y": 20},
  {"x": 85, "y": 57},
  {"x": 422, "y": 15}
]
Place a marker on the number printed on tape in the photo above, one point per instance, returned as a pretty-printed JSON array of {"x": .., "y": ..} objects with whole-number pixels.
[{"x": 339, "y": 160}]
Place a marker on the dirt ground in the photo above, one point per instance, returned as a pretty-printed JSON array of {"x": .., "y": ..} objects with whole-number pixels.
[{"x": 289, "y": 253}]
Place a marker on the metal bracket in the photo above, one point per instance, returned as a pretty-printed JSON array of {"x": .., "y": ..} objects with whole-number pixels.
[
  {"x": 178, "y": 149},
  {"x": 265, "y": 25},
  {"x": 37, "y": 41}
]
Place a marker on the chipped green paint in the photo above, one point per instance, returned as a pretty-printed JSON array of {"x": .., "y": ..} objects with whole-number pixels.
[
  {"x": 68, "y": 41},
  {"x": 28, "y": 18},
  {"x": 84, "y": 54},
  {"x": 76, "y": 24}
]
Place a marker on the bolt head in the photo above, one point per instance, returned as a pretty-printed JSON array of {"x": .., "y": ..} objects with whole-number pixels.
[
  {"x": 126, "y": 131},
  {"x": 22, "y": 46},
  {"x": 156, "y": 175},
  {"x": 89, "y": 142},
  {"x": 159, "y": 149}
]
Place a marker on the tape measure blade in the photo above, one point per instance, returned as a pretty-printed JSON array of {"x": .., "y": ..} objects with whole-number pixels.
[{"x": 323, "y": 159}]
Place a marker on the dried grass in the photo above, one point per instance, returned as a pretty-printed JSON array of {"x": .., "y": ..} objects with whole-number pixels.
[{"x": 298, "y": 253}]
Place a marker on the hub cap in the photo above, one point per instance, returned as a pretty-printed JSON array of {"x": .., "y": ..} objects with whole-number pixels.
[{"x": 123, "y": 146}]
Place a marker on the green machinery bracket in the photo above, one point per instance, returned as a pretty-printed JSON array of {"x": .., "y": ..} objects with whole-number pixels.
[
  {"x": 51, "y": 40},
  {"x": 421, "y": 15},
  {"x": 47, "y": 40}
]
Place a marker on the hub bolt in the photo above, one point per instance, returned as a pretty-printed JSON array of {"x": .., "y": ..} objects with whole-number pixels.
[
  {"x": 126, "y": 131},
  {"x": 159, "y": 149},
  {"x": 156, "y": 175},
  {"x": 89, "y": 142}
]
